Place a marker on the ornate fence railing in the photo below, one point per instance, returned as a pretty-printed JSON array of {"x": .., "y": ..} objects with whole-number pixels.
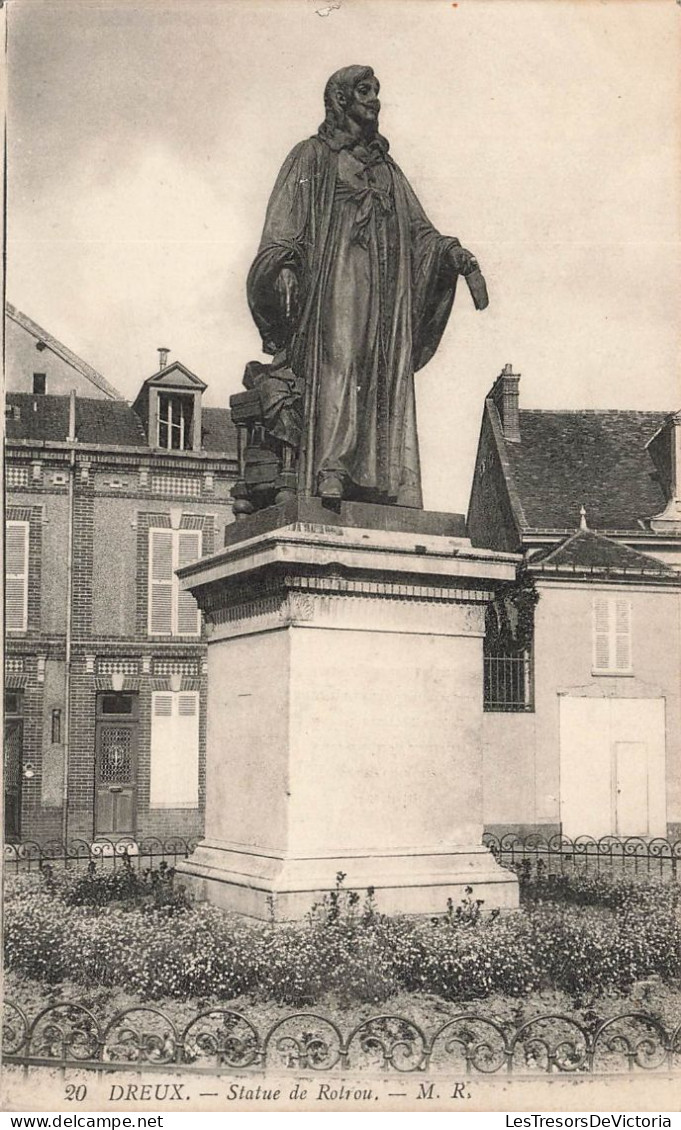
[
  {"x": 29, "y": 855},
  {"x": 220, "y": 1040},
  {"x": 557, "y": 854}
]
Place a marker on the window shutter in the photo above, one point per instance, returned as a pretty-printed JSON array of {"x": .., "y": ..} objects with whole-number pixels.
[
  {"x": 188, "y": 550},
  {"x": 622, "y": 611},
  {"x": 16, "y": 576},
  {"x": 161, "y": 582},
  {"x": 612, "y": 634},
  {"x": 601, "y": 634},
  {"x": 174, "y": 781},
  {"x": 187, "y": 772},
  {"x": 162, "y": 736}
]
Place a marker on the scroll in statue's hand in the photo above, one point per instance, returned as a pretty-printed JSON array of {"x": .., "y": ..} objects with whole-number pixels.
[
  {"x": 287, "y": 291},
  {"x": 462, "y": 261},
  {"x": 465, "y": 263}
]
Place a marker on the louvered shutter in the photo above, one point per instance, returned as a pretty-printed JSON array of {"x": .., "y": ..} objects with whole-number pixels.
[
  {"x": 161, "y": 581},
  {"x": 162, "y": 737},
  {"x": 622, "y": 634},
  {"x": 187, "y": 772},
  {"x": 188, "y": 550},
  {"x": 16, "y": 576},
  {"x": 601, "y": 634},
  {"x": 174, "y": 780}
]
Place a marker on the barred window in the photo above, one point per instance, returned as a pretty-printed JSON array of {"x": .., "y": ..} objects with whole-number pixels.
[{"x": 508, "y": 677}]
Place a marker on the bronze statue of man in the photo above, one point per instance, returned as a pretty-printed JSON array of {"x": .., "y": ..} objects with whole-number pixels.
[{"x": 351, "y": 290}]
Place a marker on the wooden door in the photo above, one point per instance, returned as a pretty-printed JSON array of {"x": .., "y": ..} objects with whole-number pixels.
[
  {"x": 116, "y": 764},
  {"x": 632, "y": 804},
  {"x": 612, "y": 766},
  {"x": 14, "y": 738}
]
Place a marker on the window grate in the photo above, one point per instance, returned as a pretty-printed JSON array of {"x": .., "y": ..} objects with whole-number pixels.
[
  {"x": 116, "y": 756},
  {"x": 508, "y": 683}
]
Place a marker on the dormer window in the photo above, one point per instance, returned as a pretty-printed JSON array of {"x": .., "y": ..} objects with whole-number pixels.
[
  {"x": 175, "y": 421},
  {"x": 169, "y": 407}
]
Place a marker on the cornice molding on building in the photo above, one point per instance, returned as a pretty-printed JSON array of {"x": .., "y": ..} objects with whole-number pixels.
[
  {"x": 136, "y": 646},
  {"x": 582, "y": 583},
  {"x": 142, "y": 456}
]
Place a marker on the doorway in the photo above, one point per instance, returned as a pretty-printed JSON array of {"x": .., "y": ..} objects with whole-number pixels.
[
  {"x": 612, "y": 766},
  {"x": 116, "y": 763},
  {"x": 13, "y": 763}
]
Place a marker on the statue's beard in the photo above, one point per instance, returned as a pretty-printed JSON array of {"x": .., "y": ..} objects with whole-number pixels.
[{"x": 368, "y": 126}]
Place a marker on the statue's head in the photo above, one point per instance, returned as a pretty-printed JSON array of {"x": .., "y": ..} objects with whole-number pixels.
[{"x": 352, "y": 93}]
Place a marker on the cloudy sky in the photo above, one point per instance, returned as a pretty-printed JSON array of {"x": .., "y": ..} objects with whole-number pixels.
[{"x": 144, "y": 139}]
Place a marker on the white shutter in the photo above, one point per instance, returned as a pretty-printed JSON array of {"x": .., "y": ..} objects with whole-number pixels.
[
  {"x": 601, "y": 634},
  {"x": 161, "y": 582},
  {"x": 174, "y": 779},
  {"x": 622, "y": 625},
  {"x": 188, "y": 550},
  {"x": 16, "y": 576},
  {"x": 611, "y": 634},
  {"x": 187, "y": 774}
]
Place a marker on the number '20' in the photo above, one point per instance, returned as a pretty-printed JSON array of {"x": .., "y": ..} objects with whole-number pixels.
[{"x": 75, "y": 1094}]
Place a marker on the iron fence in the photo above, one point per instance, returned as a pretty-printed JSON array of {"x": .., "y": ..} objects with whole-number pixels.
[
  {"x": 559, "y": 854},
  {"x": 554, "y": 854},
  {"x": 30, "y": 855},
  {"x": 221, "y": 1040}
]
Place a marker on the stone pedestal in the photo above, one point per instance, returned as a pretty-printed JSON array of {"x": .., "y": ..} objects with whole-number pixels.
[{"x": 344, "y": 714}]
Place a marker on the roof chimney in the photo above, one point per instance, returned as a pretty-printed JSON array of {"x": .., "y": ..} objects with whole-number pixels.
[
  {"x": 506, "y": 398},
  {"x": 163, "y": 352},
  {"x": 665, "y": 451},
  {"x": 71, "y": 437}
]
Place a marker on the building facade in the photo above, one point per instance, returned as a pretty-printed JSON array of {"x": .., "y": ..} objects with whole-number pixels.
[
  {"x": 582, "y": 724},
  {"x": 105, "y": 680}
]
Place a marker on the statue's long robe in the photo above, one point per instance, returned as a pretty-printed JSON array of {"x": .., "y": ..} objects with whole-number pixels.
[{"x": 376, "y": 293}]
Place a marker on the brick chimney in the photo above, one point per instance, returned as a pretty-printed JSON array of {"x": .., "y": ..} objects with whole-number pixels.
[
  {"x": 665, "y": 451},
  {"x": 506, "y": 397}
]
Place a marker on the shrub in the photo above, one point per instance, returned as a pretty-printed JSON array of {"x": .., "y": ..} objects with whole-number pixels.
[
  {"x": 598, "y": 888},
  {"x": 153, "y": 890},
  {"x": 345, "y": 947}
]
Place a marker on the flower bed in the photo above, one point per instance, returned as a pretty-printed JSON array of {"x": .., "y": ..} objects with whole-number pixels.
[{"x": 151, "y": 942}]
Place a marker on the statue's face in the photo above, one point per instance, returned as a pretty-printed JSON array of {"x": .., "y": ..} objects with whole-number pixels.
[{"x": 364, "y": 106}]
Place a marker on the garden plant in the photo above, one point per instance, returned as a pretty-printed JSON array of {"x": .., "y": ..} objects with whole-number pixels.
[{"x": 576, "y": 933}]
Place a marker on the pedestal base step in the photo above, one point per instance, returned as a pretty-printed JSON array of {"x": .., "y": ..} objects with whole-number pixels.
[{"x": 286, "y": 888}]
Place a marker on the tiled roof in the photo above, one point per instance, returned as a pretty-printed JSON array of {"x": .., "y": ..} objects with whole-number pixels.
[
  {"x": 592, "y": 458},
  {"x": 218, "y": 432},
  {"x": 67, "y": 355},
  {"x": 97, "y": 421},
  {"x": 586, "y": 552},
  {"x": 109, "y": 422}
]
